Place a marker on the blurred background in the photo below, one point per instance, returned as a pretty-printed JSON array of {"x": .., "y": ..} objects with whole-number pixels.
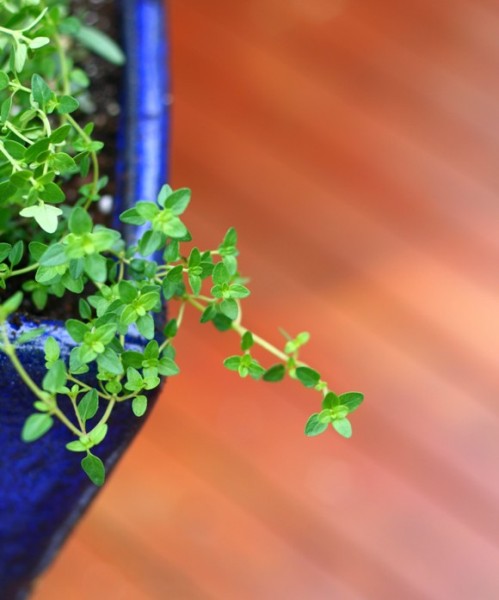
[{"x": 354, "y": 145}]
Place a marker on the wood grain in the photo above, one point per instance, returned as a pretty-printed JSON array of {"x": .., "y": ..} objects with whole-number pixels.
[{"x": 353, "y": 144}]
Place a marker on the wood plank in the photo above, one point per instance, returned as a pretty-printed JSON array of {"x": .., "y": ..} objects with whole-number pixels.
[{"x": 352, "y": 145}]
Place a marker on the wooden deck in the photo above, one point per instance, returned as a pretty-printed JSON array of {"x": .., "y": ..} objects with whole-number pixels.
[{"x": 355, "y": 146}]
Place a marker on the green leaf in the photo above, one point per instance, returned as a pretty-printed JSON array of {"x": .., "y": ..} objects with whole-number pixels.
[
  {"x": 220, "y": 274},
  {"x": 132, "y": 359},
  {"x": 247, "y": 341},
  {"x": 293, "y": 345},
  {"x": 11, "y": 305},
  {"x": 255, "y": 370},
  {"x": 101, "y": 44},
  {"x": 4, "y": 250},
  {"x": 84, "y": 309},
  {"x": 5, "y": 109},
  {"x": 221, "y": 322},
  {"x": 4, "y": 80},
  {"x": 167, "y": 367},
  {"x": 128, "y": 292},
  {"x": 326, "y": 416},
  {"x": 171, "y": 329},
  {"x": 229, "y": 308},
  {"x": 54, "y": 256},
  {"x": 151, "y": 379},
  {"x": 37, "y": 249},
  {"x": 38, "y": 42},
  {"x": 178, "y": 201},
  {"x": 36, "y": 150},
  {"x": 56, "y": 377},
  {"x": 132, "y": 217},
  {"x": 52, "y": 350},
  {"x": 331, "y": 400},
  {"x": 175, "y": 275},
  {"x": 238, "y": 291},
  {"x": 76, "y": 364},
  {"x": 88, "y": 405},
  {"x": 28, "y": 336},
  {"x": 171, "y": 253},
  {"x": 67, "y": 104},
  {"x": 196, "y": 283},
  {"x": 16, "y": 254},
  {"x": 209, "y": 313},
  {"x": 228, "y": 245},
  {"x": 35, "y": 426},
  {"x": 151, "y": 351},
  {"x": 171, "y": 226},
  {"x": 147, "y": 210},
  {"x": 134, "y": 380},
  {"x": 52, "y": 193},
  {"x": 145, "y": 325},
  {"x": 76, "y": 446},
  {"x": 194, "y": 258},
  {"x": 96, "y": 267},
  {"x": 60, "y": 134},
  {"x": 94, "y": 468},
  {"x": 352, "y": 400},
  {"x": 62, "y": 163},
  {"x": 308, "y": 376},
  {"x": 165, "y": 191},
  {"x": 109, "y": 361},
  {"x": 343, "y": 427},
  {"x": 139, "y": 405},
  {"x": 105, "y": 333},
  {"x": 149, "y": 300},
  {"x": 98, "y": 433},
  {"x": 275, "y": 373},
  {"x": 76, "y": 329},
  {"x": 128, "y": 316},
  {"x": 150, "y": 242},
  {"x": 15, "y": 149},
  {"x": 80, "y": 221},
  {"x": 45, "y": 215},
  {"x": 104, "y": 238},
  {"x": 339, "y": 412},
  {"x": 315, "y": 426},
  {"x": 232, "y": 363},
  {"x": 40, "y": 90},
  {"x": 21, "y": 53}
]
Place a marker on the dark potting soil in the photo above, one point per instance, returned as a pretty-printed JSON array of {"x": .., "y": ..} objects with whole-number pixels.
[{"x": 100, "y": 106}]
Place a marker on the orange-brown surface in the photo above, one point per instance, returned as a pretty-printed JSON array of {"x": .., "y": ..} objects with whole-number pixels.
[{"x": 354, "y": 144}]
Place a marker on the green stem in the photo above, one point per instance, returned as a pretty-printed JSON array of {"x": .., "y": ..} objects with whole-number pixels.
[
  {"x": 9, "y": 125},
  {"x": 23, "y": 271},
  {"x": 11, "y": 353},
  {"x": 63, "y": 65},
  {"x": 79, "y": 419},
  {"x": 237, "y": 327},
  {"x": 107, "y": 413},
  {"x": 262, "y": 343},
  {"x": 39, "y": 393},
  {"x": 15, "y": 165},
  {"x": 86, "y": 387},
  {"x": 93, "y": 155}
]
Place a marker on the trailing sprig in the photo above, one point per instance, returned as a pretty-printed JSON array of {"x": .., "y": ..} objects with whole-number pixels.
[{"x": 120, "y": 286}]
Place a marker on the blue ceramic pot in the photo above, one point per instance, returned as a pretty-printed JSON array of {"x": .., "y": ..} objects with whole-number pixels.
[{"x": 43, "y": 491}]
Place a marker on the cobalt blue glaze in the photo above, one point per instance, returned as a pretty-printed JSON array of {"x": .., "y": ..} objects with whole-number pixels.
[{"x": 43, "y": 491}]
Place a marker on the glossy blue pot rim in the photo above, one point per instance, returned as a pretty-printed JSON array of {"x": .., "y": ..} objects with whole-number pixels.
[{"x": 38, "y": 506}]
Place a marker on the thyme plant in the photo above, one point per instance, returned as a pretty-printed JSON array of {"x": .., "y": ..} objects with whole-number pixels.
[{"x": 52, "y": 248}]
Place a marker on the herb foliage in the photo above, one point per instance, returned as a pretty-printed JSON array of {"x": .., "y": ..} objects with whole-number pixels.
[{"x": 58, "y": 249}]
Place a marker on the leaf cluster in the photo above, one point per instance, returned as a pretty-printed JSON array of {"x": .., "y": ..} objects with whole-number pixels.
[{"x": 57, "y": 249}]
